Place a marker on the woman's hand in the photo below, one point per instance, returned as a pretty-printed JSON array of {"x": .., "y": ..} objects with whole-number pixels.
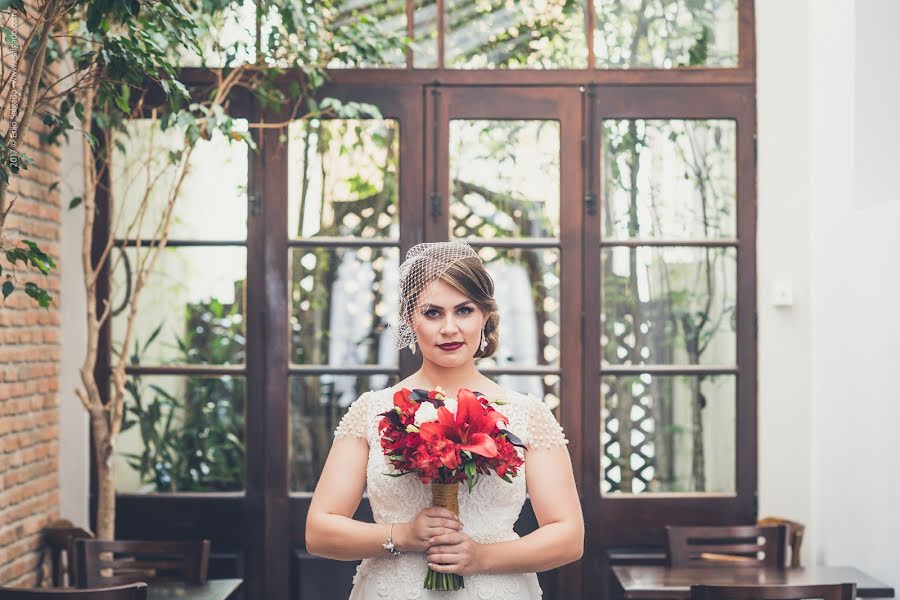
[
  {"x": 455, "y": 552},
  {"x": 430, "y": 523}
]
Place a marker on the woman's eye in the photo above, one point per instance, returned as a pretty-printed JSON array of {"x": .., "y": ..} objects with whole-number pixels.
[{"x": 465, "y": 310}]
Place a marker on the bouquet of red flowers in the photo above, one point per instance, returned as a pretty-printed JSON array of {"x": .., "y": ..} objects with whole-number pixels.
[{"x": 445, "y": 442}]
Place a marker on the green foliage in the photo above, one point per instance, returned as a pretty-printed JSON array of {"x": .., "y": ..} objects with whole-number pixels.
[
  {"x": 29, "y": 255},
  {"x": 360, "y": 187},
  {"x": 17, "y": 5},
  {"x": 697, "y": 55},
  {"x": 536, "y": 35},
  {"x": 123, "y": 48},
  {"x": 115, "y": 46},
  {"x": 192, "y": 441},
  {"x": 666, "y": 33}
]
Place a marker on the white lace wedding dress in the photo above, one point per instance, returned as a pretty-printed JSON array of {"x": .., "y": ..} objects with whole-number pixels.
[{"x": 488, "y": 513}]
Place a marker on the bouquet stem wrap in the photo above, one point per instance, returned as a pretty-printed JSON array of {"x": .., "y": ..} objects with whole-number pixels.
[{"x": 445, "y": 496}]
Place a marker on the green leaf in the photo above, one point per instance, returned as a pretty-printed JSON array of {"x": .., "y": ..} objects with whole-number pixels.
[
  {"x": 470, "y": 475},
  {"x": 193, "y": 133},
  {"x": 8, "y": 287},
  {"x": 74, "y": 202},
  {"x": 122, "y": 100},
  {"x": 153, "y": 336},
  {"x": 39, "y": 294}
]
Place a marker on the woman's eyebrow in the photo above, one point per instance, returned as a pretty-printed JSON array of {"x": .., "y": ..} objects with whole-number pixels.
[{"x": 461, "y": 304}]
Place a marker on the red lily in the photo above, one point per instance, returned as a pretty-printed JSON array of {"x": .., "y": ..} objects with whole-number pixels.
[{"x": 471, "y": 428}]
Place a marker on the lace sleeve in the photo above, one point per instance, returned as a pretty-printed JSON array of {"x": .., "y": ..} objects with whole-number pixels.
[
  {"x": 543, "y": 429},
  {"x": 356, "y": 420}
]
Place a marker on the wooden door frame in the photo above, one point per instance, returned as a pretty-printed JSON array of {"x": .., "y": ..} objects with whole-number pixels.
[
  {"x": 562, "y": 104},
  {"x": 611, "y": 520},
  {"x": 403, "y": 103}
]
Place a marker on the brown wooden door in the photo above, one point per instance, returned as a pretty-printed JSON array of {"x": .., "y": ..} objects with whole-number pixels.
[
  {"x": 503, "y": 171},
  {"x": 670, "y": 304}
]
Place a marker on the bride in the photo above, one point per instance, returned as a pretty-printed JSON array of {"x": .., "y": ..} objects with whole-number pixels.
[{"x": 448, "y": 312}]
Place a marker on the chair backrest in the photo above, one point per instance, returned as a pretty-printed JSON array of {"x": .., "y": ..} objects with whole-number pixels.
[
  {"x": 837, "y": 591},
  {"x": 742, "y": 545},
  {"x": 103, "y": 562},
  {"x": 795, "y": 533},
  {"x": 135, "y": 591},
  {"x": 58, "y": 536}
]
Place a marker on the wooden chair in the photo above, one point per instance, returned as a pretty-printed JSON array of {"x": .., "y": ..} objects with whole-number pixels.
[
  {"x": 58, "y": 536},
  {"x": 135, "y": 591},
  {"x": 102, "y": 562},
  {"x": 837, "y": 591},
  {"x": 795, "y": 533},
  {"x": 743, "y": 545}
]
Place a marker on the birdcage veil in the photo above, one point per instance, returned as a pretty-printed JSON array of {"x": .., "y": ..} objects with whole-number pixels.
[{"x": 424, "y": 264}]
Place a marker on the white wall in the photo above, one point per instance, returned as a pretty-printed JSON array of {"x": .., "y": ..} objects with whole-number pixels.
[
  {"x": 74, "y": 471},
  {"x": 784, "y": 256},
  {"x": 855, "y": 84},
  {"x": 829, "y": 206}
]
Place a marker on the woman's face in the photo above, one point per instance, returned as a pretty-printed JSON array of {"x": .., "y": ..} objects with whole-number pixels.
[{"x": 448, "y": 325}]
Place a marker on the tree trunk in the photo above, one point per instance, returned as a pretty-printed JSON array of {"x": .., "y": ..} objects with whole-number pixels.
[
  {"x": 698, "y": 456},
  {"x": 106, "y": 477}
]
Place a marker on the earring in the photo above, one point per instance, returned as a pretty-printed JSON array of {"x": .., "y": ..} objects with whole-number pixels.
[
  {"x": 412, "y": 346},
  {"x": 483, "y": 339}
]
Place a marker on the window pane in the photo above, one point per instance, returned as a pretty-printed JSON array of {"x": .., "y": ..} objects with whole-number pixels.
[
  {"x": 669, "y": 306},
  {"x": 388, "y": 18},
  {"x": 545, "y": 387},
  {"x": 342, "y": 178},
  {"x": 341, "y": 302},
  {"x": 425, "y": 34},
  {"x": 526, "y": 284},
  {"x": 488, "y": 34},
  {"x": 666, "y": 34},
  {"x": 317, "y": 405},
  {"x": 212, "y": 201},
  {"x": 194, "y": 298},
  {"x": 669, "y": 179},
  {"x": 231, "y": 31},
  {"x": 182, "y": 434},
  {"x": 668, "y": 434},
  {"x": 504, "y": 179}
]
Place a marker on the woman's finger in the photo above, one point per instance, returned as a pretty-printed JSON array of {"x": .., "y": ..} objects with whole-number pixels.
[
  {"x": 446, "y": 523},
  {"x": 444, "y": 559},
  {"x": 451, "y": 538},
  {"x": 445, "y": 549},
  {"x": 439, "y": 531},
  {"x": 439, "y": 568},
  {"x": 440, "y": 512}
]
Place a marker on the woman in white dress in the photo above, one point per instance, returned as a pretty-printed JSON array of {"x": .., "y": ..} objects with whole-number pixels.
[{"x": 448, "y": 312}]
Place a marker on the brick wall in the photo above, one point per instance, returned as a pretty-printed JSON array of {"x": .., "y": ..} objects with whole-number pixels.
[{"x": 29, "y": 368}]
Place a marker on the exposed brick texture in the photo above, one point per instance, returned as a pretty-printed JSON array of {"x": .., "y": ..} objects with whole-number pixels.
[{"x": 29, "y": 367}]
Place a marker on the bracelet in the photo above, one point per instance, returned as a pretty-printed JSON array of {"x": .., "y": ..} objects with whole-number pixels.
[{"x": 389, "y": 544}]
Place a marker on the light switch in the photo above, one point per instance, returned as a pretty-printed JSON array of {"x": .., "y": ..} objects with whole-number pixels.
[{"x": 782, "y": 294}]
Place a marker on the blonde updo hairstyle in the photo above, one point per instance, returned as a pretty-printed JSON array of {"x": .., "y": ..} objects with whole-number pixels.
[{"x": 469, "y": 277}]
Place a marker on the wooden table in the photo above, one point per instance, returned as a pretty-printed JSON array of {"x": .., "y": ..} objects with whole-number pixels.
[
  {"x": 663, "y": 583},
  {"x": 214, "y": 589}
]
